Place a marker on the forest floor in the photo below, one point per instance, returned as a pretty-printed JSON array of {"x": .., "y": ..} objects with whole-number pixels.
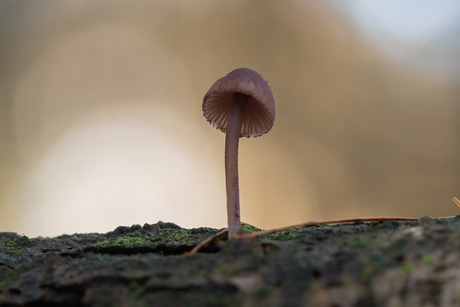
[{"x": 357, "y": 264}]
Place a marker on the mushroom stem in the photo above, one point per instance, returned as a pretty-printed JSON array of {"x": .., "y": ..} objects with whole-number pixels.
[{"x": 234, "y": 122}]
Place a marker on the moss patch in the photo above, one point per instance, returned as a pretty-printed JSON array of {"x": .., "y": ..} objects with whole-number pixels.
[
  {"x": 8, "y": 275},
  {"x": 358, "y": 264}
]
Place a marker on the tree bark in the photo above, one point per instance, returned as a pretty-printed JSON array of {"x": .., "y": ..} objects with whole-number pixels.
[{"x": 360, "y": 264}]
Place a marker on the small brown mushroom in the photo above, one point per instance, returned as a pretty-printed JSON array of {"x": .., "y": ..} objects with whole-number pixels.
[{"x": 239, "y": 104}]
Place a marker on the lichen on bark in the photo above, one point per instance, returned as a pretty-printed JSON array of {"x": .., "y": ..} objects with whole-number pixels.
[{"x": 357, "y": 264}]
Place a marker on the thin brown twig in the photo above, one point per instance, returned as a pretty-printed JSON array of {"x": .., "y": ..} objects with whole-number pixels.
[
  {"x": 311, "y": 223},
  {"x": 316, "y": 223},
  {"x": 204, "y": 243},
  {"x": 455, "y": 199}
]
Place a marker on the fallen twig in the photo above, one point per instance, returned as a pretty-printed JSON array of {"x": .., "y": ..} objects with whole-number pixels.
[
  {"x": 311, "y": 223},
  {"x": 204, "y": 243},
  {"x": 316, "y": 223}
]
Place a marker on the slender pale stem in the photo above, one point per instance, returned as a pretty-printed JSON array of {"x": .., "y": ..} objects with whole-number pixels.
[{"x": 234, "y": 122}]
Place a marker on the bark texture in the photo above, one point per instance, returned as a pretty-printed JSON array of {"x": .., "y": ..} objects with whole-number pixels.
[{"x": 360, "y": 264}]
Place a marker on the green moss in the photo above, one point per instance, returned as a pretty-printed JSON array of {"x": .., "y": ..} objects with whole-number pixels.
[
  {"x": 5, "y": 279},
  {"x": 218, "y": 269},
  {"x": 427, "y": 259},
  {"x": 21, "y": 241},
  {"x": 17, "y": 245},
  {"x": 135, "y": 227},
  {"x": 250, "y": 228},
  {"x": 15, "y": 250},
  {"x": 103, "y": 243},
  {"x": 290, "y": 234},
  {"x": 127, "y": 241},
  {"x": 168, "y": 233},
  {"x": 175, "y": 234},
  {"x": 9, "y": 276},
  {"x": 377, "y": 261},
  {"x": 408, "y": 268},
  {"x": 132, "y": 274},
  {"x": 165, "y": 225},
  {"x": 64, "y": 236},
  {"x": 5, "y": 243}
]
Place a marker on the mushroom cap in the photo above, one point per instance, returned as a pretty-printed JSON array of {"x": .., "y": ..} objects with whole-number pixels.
[{"x": 260, "y": 112}]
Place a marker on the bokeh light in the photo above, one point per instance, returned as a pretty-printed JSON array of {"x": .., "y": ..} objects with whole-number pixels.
[{"x": 101, "y": 122}]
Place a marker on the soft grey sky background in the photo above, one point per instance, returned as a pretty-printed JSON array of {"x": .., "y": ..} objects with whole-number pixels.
[{"x": 420, "y": 34}]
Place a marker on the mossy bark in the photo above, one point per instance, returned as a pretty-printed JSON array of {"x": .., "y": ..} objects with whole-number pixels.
[{"x": 360, "y": 264}]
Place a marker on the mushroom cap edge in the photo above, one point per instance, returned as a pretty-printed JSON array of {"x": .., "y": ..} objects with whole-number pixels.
[{"x": 260, "y": 111}]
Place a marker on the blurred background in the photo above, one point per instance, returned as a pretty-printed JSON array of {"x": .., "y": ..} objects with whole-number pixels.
[{"x": 101, "y": 122}]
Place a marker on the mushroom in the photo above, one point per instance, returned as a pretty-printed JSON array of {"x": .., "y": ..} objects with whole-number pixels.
[{"x": 239, "y": 104}]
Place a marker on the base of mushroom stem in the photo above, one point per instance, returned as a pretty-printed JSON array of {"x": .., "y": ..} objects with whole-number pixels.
[{"x": 247, "y": 236}]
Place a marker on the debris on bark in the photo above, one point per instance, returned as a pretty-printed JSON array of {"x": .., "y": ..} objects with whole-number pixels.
[{"x": 392, "y": 263}]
